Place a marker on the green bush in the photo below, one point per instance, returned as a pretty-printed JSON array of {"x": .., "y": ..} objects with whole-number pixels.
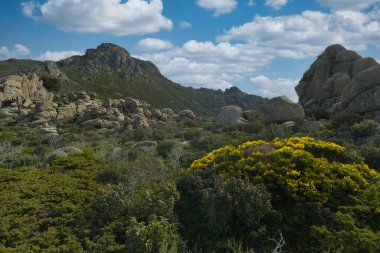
[
  {"x": 164, "y": 148},
  {"x": 155, "y": 235},
  {"x": 365, "y": 128},
  {"x": 348, "y": 119},
  {"x": 273, "y": 131},
  {"x": 371, "y": 154},
  {"x": 214, "y": 209},
  {"x": 51, "y": 84},
  {"x": 310, "y": 183}
]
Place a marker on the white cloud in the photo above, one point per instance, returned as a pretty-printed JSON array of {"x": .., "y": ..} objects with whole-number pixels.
[
  {"x": 276, "y": 4},
  {"x": 219, "y": 7},
  {"x": 208, "y": 64},
  {"x": 18, "y": 51},
  {"x": 153, "y": 44},
  {"x": 185, "y": 25},
  {"x": 347, "y": 4},
  {"x": 57, "y": 55},
  {"x": 28, "y": 8},
  {"x": 113, "y": 17},
  {"x": 267, "y": 87},
  {"x": 251, "y": 3},
  {"x": 307, "y": 34},
  {"x": 241, "y": 53}
]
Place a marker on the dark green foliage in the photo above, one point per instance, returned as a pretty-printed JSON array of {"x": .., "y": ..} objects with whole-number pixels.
[
  {"x": 365, "y": 128},
  {"x": 347, "y": 119},
  {"x": 155, "y": 235},
  {"x": 164, "y": 148},
  {"x": 214, "y": 209},
  {"x": 273, "y": 131},
  {"x": 45, "y": 210},
  {"x": 321, "y": 196},
  {"x": 51, "y": 84},
  {"x": 371, "y": 154},
  {"x": 317, "y": 188}
]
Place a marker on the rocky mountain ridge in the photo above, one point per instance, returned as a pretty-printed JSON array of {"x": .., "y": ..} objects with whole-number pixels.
[
  {"x": 111, "y": 71},
  {"x": 340, "y": 84}
]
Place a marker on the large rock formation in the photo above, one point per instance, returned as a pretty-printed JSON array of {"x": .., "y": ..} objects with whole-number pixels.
[
  {"x": 281, "y": 109},
  {"x": 340, "y": 81}
]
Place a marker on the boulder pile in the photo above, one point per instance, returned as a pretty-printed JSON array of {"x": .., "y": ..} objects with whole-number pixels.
[{"x": 30, "y": 102}]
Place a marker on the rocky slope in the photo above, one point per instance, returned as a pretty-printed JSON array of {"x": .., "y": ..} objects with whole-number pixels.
[
  {"x": 111, "y": 71},
  {"x": 340, "y": 82},
  {"x": 28, "y": 101}
]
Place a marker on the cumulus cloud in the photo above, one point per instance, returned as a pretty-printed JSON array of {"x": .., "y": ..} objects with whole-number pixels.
[
  {"x": 17, "y": 51},
  {"x": 209, "y": 64},
  {"x": 219, "y": 7},
  {"x": 241, "y": 53},
  {"x": 267, "y": 87},
  {"x": 276, "y": 4},
  {"x": 251, "y": 3},
  {"x": 57, "y": 55},
  {"x": 153, "y": 44},
  {"x": 185, "y": 25},
  {"x": 113, "y": 17},
  {"x": 306, "y": 34},
  {"x": 347, "y": 4}
]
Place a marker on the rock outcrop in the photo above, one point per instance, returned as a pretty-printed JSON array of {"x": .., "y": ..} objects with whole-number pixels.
[
  {"x": 22, "y": 90},
  {"x": 187, "y": 115},
  {"x": 340, "y": 81},
  {"x": 280, "y": 110},
  {"x": 230, "y": 116},
  {"x": 31, "y": 103}
]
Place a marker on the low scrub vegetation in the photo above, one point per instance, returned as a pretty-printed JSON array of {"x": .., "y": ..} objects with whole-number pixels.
[{"x": 199, "y": 189}]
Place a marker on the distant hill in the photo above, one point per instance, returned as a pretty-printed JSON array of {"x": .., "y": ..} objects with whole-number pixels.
[{"x": 110, "y": 71}]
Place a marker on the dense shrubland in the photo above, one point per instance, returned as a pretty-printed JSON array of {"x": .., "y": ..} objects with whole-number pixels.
[{"x": 201, "y": 189}]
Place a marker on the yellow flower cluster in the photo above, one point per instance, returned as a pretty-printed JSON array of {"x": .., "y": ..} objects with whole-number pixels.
[{"x": 300, "y": 168}]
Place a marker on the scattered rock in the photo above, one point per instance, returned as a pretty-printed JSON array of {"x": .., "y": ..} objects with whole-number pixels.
[
  {"x": 44, "y": 112},
  {"x": 46, "y": 129},
  {"x": 167, "y": 111},
  {"x": 100, "y": 117},
  {"x": 63, "y": 152},
  {"x": 281, "y": 109},
  {"x": 140, "y": 121},
  {"x": 289, "y": 125},
  {"x": 186, "y": 114},
  {"x": 251, "y": 115},
  {"x": 230, "y": 116},
  {"x": 66, "y": 111},
  {"x": 312, "y": 127}
]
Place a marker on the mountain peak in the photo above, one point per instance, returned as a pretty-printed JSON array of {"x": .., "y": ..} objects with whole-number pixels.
[
  {"x": 106, "y": 58},
  {"x": 108, "y": 49}
]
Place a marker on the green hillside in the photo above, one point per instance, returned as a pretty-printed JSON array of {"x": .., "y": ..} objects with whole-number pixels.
[{"x": 110, "y": 71}]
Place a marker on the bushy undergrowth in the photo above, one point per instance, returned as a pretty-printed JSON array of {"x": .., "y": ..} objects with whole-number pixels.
[
  {"x": 318, "y": 191},
  {"x": 198, "y": 190}
]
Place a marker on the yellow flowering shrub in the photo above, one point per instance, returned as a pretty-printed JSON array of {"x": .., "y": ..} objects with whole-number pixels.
[{"x": 296, "y": 169}]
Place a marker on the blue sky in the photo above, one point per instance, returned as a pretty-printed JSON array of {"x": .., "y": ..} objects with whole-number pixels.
[{"x": 261, "y": 46}]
